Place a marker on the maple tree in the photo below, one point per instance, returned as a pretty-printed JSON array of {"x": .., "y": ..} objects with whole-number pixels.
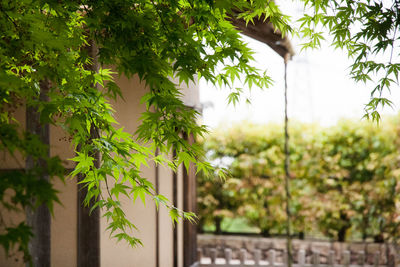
[{"x": 46, "y": 66}]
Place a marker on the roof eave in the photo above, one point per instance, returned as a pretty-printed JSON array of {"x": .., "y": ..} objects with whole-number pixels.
[{"x": 264, "y": 31}]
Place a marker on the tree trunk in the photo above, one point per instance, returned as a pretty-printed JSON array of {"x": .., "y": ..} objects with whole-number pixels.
[
  {"x": 265, "y": 232},
  {"x": 301, "y": 235},
  {"x": 39, "y": 219},
  {"x": 342, "y": 231},
  {"x": 218, "y": 221},
  {"x": 342, "y": 234},
  {"x": 379, "y": 238}
]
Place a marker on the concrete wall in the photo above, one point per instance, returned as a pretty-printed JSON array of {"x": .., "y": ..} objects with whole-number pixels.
[
  {"x": 64, "y": 222},
  {"x": 16, "y": 161},
  {"x": 63, "y": 228},
  {"x": 144, "y": 217}
]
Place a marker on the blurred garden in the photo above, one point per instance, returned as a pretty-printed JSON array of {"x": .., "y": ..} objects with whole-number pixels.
[{"x": 344, "y": 181}]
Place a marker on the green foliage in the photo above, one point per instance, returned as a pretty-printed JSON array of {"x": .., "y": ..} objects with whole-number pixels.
[
  {"x": 49, "y": 41},
  {"x": 254, "y": 156},
  {"x": 357, "y": 180},
  {"x": 344, "y": 179},
  {"x": 368, "y": 31}
]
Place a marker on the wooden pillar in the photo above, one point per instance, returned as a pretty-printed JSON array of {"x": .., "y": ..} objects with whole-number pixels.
[
  {"x": 88, "y": 223},
  {"x": 189, "y": 204},
  {"x": 175, "y": 202},
  {"x": 157, "y": 188},
  {"x": 88, "y": 230},
  {"x": 39, "y": 219}
]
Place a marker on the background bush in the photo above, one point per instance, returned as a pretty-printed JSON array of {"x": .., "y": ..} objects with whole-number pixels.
[{"x": 344, "y": 180}]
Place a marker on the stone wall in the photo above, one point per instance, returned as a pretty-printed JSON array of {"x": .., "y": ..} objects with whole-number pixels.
[{"x": 251, "y": 243}]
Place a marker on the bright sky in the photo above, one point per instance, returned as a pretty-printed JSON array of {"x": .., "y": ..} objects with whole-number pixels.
[{"x": 319, "y": 90}]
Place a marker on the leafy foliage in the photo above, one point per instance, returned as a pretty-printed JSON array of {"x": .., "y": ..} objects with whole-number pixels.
[
  {"x": 369, "y": 32},
  {"x": 344, "y": 179},
  {"x": 49, "y": 41},
  {"x": 46, "y": 41},
  {"x": 357, "y": 180}
]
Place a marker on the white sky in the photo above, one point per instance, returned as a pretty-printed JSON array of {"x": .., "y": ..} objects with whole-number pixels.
[{"x": 319, "y": 90}]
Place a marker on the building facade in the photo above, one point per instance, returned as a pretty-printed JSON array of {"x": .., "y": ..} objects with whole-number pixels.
[{"x": 74, "y": 235}]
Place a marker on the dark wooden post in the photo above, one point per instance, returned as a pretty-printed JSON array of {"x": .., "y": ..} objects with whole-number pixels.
[
  {"x": 88, "y": 230},
  {"x": 89, "y": 223},
  {"x": 175, "y": 202},
  {"x": 39, "y": 219},
  {"x": 189, "y": 204},
  {"x": 157, "y": 188}
]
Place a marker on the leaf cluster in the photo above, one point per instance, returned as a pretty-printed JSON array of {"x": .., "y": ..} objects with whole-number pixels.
[
  {"x": 344, "y": 179},
  {"x": 67, "y": 44},
  {"x": 368, "y": 31}
]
